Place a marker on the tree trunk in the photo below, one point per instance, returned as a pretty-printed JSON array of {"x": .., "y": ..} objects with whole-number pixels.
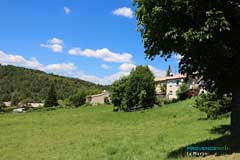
[{"x": 235, "y": 114}]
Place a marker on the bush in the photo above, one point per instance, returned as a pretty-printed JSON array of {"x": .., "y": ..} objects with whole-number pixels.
[
  {"x": 213, "y": 105},
  {"x": 159, "y": 101},
  {"x": 169, "y": 101},
  {"x": 7, "y": 109},
  {"x": 78, "y": 99},
  {"x": 66, "y": 103},
  {"x": 106, "y": 100},
  {"x": 2, "y": 105},
  {"x": 182, "y": 92}
]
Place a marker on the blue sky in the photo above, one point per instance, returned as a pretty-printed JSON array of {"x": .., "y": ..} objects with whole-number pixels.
[{"x": 92, "y": 40}]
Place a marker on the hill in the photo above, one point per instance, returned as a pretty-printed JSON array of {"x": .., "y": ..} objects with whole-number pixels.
[
  {"x": 34, "y": 84},
  {"x": 99, "y": 133}
]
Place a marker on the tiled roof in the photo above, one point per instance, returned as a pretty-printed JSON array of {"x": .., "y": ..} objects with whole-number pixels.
[{"x": 177, "y": 76}]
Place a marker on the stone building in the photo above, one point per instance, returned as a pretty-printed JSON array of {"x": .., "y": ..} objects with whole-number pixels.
[
  {"x": 172, "y": 83},
  {"x": 98, "y": 98}
]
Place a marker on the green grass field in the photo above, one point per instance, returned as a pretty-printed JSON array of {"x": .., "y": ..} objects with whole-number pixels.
[{"x": 90, "y": 133}]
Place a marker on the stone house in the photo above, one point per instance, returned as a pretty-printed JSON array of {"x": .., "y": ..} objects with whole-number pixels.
[
  {"x": 98, "y": 98},
  {"x": 172, "y": 83}
]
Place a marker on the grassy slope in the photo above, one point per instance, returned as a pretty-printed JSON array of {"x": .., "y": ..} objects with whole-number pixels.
[{"x": 99, "y": 133}]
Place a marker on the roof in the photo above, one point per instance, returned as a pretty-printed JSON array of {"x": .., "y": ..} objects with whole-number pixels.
[
  {"x": 101, "y": 94},
  {"x": 177, "y": 76}
]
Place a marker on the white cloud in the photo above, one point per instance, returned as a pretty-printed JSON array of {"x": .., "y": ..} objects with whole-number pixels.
[
  {"x": 115, "y": 76},
  {"x": 66, "y": 10},
  {"x": 124, "y": 11},
  {"x": 102, "y": 80},
  {"x": 62, "y": 67},
  {"x": 104, "y": 66},
  {"x": 106, "y": 80},
  {"x": 55, "y": 44},
  {"x": 104, "y": 54},
  {"x": 10, "y": 59},
  {"x": 55, "y": 41},
  {"x": 157, "y": 72},
  {"x": 126, "y": 67}
]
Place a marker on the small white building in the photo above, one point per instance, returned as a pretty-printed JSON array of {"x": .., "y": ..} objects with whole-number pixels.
[
  {"x": 172, "y": 83},
  {"x": 98, "y": 98}
]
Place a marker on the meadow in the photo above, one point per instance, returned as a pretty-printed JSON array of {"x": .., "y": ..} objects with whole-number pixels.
[{"x": 96, "y": 132}]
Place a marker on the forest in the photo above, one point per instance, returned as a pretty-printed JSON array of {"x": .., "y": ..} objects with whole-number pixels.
[{"x": 33, "y": 85}]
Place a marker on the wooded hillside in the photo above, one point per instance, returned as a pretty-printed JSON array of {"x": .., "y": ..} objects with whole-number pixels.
[{"x": 33, "y": 85}]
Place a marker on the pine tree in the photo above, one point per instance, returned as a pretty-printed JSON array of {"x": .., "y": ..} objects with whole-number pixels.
[
  {"x": 14, "y": 98},
  {"x": 169, "y": 71},
  {"x": 51, "y": 98}
]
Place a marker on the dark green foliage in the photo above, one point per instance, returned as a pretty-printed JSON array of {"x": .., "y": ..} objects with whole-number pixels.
[
  {"x": 164, "y": 89},
  {"x": 78, "y": 99},
  {"x": 170, "y": 101},
  {"x": 2, "y": 105},
  {"x": 7, "y": 109},
  {"x": 66, "y": 103},
  {"x": 15, "y": 98},
  {"x": 213, "y": 105},
  {"x": 169, "y": 71},
  {"x": 34, "y": 85},
  {"x": 206, "y": 35},
  {"x": 51, "y": 99},
  {"x": 182, "y": 92},
  {"x": 135, "y": 91},
  {"x": 106, "y": 100},
  {"x": 118, "y": 93},
  {"x": 140, "y": 89}
]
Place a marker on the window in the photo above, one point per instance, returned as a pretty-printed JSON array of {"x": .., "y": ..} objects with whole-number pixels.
[{"x": 170, "y": 92}]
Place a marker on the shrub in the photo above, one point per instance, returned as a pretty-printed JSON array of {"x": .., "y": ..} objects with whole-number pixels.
[
  {"x": 78, "y": 99},
  {"x": 66, "y": 103},
  {"x": 182, "y": 92},
  {"x": 159, "y": 101},
  {"x": 7, "y": 109},
  {"x": 213, "y": 105},
  {"x": 106, "y": 100},
  {"x": 169, "y": 101},
  {"x": 2, "y": 105}
]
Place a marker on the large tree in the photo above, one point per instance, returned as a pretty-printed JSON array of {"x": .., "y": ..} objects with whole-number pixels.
[
  {"x": 205, "y": 33},
  {"x": 51, "y": 97},
  {"x": 140, "y": 89},
  {"x": 118, "y": 93},
  {"x": 134, "y": 91}
]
